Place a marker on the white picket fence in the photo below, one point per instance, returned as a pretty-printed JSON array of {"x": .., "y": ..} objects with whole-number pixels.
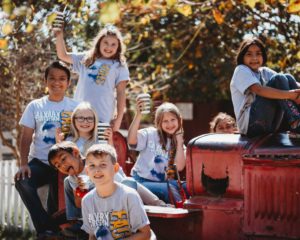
[{"x": 13, "y": 213}]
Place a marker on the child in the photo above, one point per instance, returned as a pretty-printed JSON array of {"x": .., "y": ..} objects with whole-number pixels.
[
  {"x": 102, "y": 69},
  {"x": 111, "y": 210},
  {"x": 84, "y": 134},
  {"x": 39, "y": 121},
  {"x": 222, "y": 123},
  {"x": 260, "y": 96},
  {"x": 160, "y": 148}
]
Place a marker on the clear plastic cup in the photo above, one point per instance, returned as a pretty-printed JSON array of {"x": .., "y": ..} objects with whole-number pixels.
[
  {"x": 58, "y": 23},
  {"x": 101, "y": 129},
  {"x": 146, "y": 99}
]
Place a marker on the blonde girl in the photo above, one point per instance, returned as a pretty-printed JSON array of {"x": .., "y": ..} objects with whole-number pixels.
[
  {"x": 161, "y": 147},
  {"x": 101, "y": 69}
]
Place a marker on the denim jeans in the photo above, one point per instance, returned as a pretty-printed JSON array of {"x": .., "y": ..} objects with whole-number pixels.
[
  {"x": 41, "y": 174},
  {"x": 161, "y": 189},
  {"x": 266, "y": 114},
  {"x": 72, "y": 212}
]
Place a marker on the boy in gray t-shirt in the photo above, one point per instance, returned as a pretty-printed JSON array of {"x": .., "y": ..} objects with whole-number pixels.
[
  {"x": 39, "y": 121},
  {"x": 111, "y": 210}
]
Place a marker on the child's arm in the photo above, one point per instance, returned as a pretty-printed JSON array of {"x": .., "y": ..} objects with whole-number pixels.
[
  {"x": 61, "y": 50},
  {"x": 142, "y": 234},
  {"x": 25, "y": 142},
  {"x": 59, "y": 136},
  {"x": 274, "y": 93},
  {"x": 92, "y": 237},
  {"x": 180, "y": 153},
  {"x": 134, "y": 126},
  {"x": 121, "y": 104}
]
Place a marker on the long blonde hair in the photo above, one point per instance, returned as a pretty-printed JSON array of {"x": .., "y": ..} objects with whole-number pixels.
[
  {"x": 94, "y": 53},
  {"x": 161, "y": 110},
  {"x": 74, "y": 131}
]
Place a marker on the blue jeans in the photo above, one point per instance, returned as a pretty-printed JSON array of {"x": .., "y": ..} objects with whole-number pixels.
[
  {"x": 72, "y": 212},
  {"x": 266, "y": 114},
  {"x": 161, "y": 189},
  {"x": 41, "y": 174}
]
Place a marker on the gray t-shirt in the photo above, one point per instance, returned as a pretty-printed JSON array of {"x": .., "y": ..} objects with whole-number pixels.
[
  {"x": 122, "y": 213},
  {"x": 97, "y": 84},
  {"x": 44, "y": 116},
  {"x": 152, "y": 161},
  {"x": 73, "y": 180},
  {"x": 243, "y": 77}
]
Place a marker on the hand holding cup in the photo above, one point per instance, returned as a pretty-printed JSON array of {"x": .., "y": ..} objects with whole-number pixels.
[
  {"x": 104, "y": 133},
  {"x": 58, "y": 23},
  {"x": 143, "y": 103}
]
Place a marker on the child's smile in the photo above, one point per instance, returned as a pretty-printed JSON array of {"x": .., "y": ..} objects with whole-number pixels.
[
  {"x": 109, "y": 46},
  {"x": 100, "y": 169},
  {"x": 169, "y": 123},
  {"x": 66, "y": 163},
  {"x": 253, "y": 58}
]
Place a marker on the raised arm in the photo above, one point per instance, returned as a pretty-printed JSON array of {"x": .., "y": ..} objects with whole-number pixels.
[
  {"x": 134, "y": 126},
  {"x": 61, "y": 50},
  {"x": 121, "y": 104},
  {"x": 26, "y": 139}
]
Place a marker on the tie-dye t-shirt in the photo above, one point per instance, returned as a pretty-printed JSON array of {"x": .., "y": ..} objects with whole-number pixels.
[
  {"x": 152, "y": 161},
  {"x": 44, "y": 116},
  {"x": 97, "y": 83},
  {"x": 113, "y": 217}
]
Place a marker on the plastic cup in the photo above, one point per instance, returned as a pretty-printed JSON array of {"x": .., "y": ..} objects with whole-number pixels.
[
  {"x": 146, "y": 99},
  {"x": 101, "y": 129},
  {"x": 59, "y": 21}
]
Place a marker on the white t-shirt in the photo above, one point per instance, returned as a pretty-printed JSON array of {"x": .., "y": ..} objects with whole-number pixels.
[
  {"x": 242, "y": 99},
  {"x": 121, "y": 214},
  {"x": 97, "y": 84},
  {"x": 44, "y": 116},
  {"x": 152, "y": 161}
]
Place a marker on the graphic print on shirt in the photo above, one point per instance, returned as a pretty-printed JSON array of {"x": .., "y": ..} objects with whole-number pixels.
[
  {"x": 116, "y": 221},
  {"x": 99, "y": 74},
  {"x": 160, "y": 161},
  {"x": 49, "y": 121},
  {"x": 65, "y": 122}
]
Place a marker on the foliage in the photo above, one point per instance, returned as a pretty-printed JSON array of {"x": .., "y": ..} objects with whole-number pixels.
[{"x": 179, "y": 50}]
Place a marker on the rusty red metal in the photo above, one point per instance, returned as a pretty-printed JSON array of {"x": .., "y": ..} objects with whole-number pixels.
[
  {"x": 245, "y": 187},
  {"x": 240, "y": 188}
]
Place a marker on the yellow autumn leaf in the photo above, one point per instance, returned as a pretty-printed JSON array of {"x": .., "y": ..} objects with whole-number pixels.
[
  {"x": 171, "y": 3},
  {"x": 137, "y": 3},
  {"x": 3, "y": 44},
  {"x": 7, "y": 6},
  {"x": 29, "y": 28},
  {"x": 145, "y": 20},
  {"x": 7, "y": 28},
  {"x": 110, "y": 13},
  {"x": 50, "y": 18},
  {"x": 251, "y": 3},
  {"x": 294, "y": 6},
  {"x": 184, "y": 9},
  {"x": 218, "y": 16},
  {"x": 140, "y": 76},
  {"x": 298, "y": 55}
]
